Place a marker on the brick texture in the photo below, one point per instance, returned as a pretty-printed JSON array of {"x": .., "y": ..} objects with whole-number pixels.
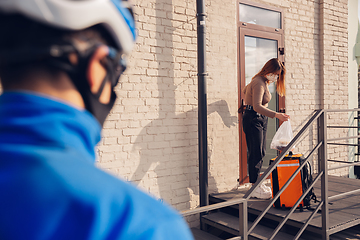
[
  {"x": 151, "y": 139},
  {"x": 317, "y": 76}
]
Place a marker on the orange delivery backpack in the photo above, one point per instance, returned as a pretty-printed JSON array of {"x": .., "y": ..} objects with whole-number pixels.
[{"x": 297, "y": 187}]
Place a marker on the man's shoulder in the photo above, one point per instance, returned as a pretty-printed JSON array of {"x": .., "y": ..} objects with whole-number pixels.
[
  {"x": 110, "y": 203},
  {"x": 146, "y": 216}
]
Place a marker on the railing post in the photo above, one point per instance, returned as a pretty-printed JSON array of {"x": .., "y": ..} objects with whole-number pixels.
[
  {"x": 243, "y": 221},
  {"x": 322, "y": 166}
]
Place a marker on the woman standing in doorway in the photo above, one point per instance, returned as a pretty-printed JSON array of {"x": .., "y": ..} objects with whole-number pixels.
[{"x": 255, "y": 118}]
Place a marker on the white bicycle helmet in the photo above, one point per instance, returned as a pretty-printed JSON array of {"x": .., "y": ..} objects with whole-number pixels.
[{"x": 114, "y": 15}]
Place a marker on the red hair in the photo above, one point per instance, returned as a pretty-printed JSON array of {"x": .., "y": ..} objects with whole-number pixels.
[{"x": 273, "y": 66}]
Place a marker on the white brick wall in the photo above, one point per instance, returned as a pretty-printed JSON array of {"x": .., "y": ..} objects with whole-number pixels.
[
  {"x": 305, "y": 92},
  {"x": 150, "y": 138},
  {"x": 222, "y": 95},
  {"x": 336, "y": 73}
]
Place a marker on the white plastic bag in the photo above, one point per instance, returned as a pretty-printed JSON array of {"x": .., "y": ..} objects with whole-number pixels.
[{"x": 282, "y": 137}]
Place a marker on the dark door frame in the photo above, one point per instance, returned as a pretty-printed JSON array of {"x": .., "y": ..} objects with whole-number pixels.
[{"x": 248, "y": 29}]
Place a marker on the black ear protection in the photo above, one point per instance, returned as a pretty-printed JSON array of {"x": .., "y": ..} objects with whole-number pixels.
[
  {"x": 114, "y": 61},
  {"x": 57, "y": 55},
  {"x": 114, "y": 64}
]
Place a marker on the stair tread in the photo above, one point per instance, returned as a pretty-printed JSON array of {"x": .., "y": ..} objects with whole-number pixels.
[
  {"x": 202, "y": 235},
  {"x": 230, "y": 224}
]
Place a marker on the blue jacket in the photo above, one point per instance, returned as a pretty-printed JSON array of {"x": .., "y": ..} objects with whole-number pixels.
[{"x": 50, "y": 188}]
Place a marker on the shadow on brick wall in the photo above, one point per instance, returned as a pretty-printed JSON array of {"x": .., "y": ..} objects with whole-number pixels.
[
  {"x": 169, "y": 155},
  {"x": 168, "y": 145}
]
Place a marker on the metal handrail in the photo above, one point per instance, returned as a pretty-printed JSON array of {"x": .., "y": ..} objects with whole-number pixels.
[
  {"x": 345, "y": 144},
  {"x": 344, "y": 138},
  {"x": 343, "y": 110},
  {"x": 341, "y": 195},
  {"x": 345, "y": 165},
  {"x": 343, "y": 127},
  {"x": 315, "y": 117},
  {"x": 242, "y": 213},
  {"x": 283, "y": 153},
  {"x": 321, "y": 117},
  {"x": 213, "y": 207},
  {"x": 281, "y": 224},
  {"x": 309, "y": 219},
  {"x": 258, "y": 219}
]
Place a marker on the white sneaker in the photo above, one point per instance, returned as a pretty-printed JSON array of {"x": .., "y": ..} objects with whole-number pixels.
[
  {"x": 262, "y": 192},
  {"x": 266, "y": 187}
]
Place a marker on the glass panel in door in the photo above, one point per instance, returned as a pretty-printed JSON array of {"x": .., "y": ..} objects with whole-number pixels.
[
  {"x": 257, "y": 52},
  {"x": 259, "y": 16}
]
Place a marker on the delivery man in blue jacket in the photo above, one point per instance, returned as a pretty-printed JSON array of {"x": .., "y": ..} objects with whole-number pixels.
[{"x": 59, "y": 63}]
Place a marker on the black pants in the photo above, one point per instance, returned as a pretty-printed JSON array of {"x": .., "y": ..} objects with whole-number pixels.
[{"x": 255, "y": 126}]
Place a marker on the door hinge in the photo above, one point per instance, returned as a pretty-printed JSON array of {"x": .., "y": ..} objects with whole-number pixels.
[{"x": 281, "y": 51}]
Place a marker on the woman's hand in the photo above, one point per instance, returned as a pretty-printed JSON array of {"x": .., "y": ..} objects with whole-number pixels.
[{"x": 282, "y": 116}]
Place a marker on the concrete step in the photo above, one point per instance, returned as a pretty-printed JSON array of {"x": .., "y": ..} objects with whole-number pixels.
[
  {"x": 202, "y": 235},
  {"x": 230, "y": 224}
]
